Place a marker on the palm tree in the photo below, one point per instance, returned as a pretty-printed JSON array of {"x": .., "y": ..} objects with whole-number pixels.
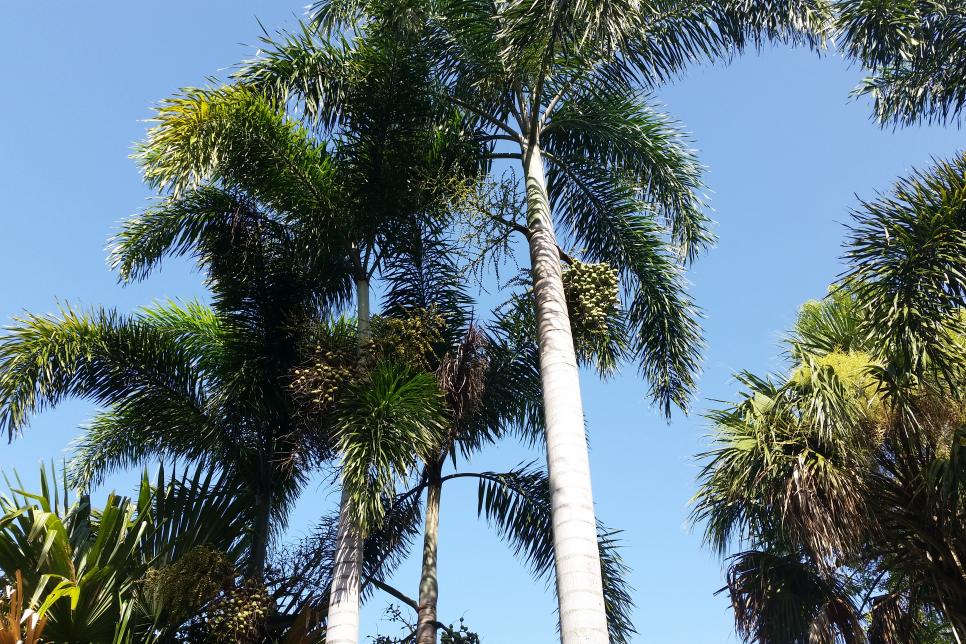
[
  {"x": 398, "y": 159},
  {"x": 86, "y": 572},
  {"x": 915, "y": 53},
  {"x": 490, "y": 381},
  {"x": 557, "y": 89},
  {"x": 843, "y": 479}
]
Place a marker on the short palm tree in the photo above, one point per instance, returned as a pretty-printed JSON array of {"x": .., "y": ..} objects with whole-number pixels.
[
  {"x": 188, "y": 382},
  {"x": 557, "y": 89},
  {"x": 85, "y": 570},
  {"x": 843, "y": 479}
]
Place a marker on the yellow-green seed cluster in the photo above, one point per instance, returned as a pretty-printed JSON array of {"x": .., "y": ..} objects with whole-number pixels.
[
  {"x": 592, "y": 297},
  {"x": 320, "y": 381},
  {"x": 239, "y": 615},
  {"x": 411, "y": 340},
  {"x": 190, "y": 582}
]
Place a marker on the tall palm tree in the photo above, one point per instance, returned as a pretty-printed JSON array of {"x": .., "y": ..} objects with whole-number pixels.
[
  {"x": 490, "y": 381},
  {"x": 843, "y": 479},
  {"x": 557, "y": 89},
  {"x": 395, "y": 160}
]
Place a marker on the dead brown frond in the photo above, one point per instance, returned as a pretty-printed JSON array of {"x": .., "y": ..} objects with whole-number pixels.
[
  {"x": 824, "y": 507},
  {"x": 19, "y": 626},
  {"x": 462, "y": 374}
]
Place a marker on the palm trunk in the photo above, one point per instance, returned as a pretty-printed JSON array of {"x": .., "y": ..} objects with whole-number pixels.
[
  {"x": 342, "y": 622},
  {"x": 579, "y": 587},
  {"x": 261, "y": 530},
  {"x": 426, "y": 625},
  {"x": 260, "y": 533}
]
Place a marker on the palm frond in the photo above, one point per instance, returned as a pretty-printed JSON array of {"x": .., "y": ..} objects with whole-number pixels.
[
  {"x": 914, "y": 52},
  {"x": 389, "y": 420},
  {"x": 778, "y": 599},
  {"x": 100, "y": 356},
  {"x": 517, "y": 505},
  {"x": 906, "y": 256},
  {"x": 616, "y": 129}
]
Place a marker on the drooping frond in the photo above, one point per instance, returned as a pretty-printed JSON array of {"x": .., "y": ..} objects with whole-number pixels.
[
  {"x": 422, "y": 273},
  {"x": 914, "y": 50},
  {"x": 102, "y": 357},
  {"x": 513, "y": 398},
  {"x": 613, "y": 226},
  {"x": 614, "y": 129},
  {"x": 233, "y": 135},
  {"x": 517, "y": 505},
  {"x": 780, "y": 600}
]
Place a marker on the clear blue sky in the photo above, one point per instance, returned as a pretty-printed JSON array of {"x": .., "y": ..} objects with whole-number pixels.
[{"x": 787, "y": 154}]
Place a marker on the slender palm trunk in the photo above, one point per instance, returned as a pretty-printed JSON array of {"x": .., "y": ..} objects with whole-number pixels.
[
  {"x": 426, "y": 625},
  {"x": 342, "y": 623},
  {"x": 260, "y": 533},
  {"x": 576, "y": 555}
]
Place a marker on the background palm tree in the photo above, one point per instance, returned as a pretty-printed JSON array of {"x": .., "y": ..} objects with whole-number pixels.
[
  {"x": 186, "y": 381},
  {"x": 396, "y": 159},
  {"x": 843, "y": 479}
]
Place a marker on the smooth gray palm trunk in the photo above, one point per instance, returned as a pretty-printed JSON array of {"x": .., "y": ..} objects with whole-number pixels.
[
  {"x": 427, "y": 625},
  {"x": 579, "y": 587},
  {"x": 342, "y": 623}
]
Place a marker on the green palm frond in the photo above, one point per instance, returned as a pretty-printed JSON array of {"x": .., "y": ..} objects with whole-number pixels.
[
  {"x": 614, "y": 128},
  {"x": 390, "y": 420},
  {"x": 678, "y": 33},
  {"x": 175, "y": 227},
  {"x": 235, "y": 136},
  {"x": 664, "y": 335},
  {"x": 100, "y": 356},
  {"x": 906, "y": 267},
  {"x": 133, "y": 434},
  {"x": 828, "y": 325},
  {"x": 302, "y": 65},
  {"x": 517, "y": 505},
  {"x": 914, "y": 50}
]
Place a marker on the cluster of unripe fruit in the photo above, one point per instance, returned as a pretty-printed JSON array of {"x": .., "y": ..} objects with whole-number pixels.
[
  {"x": 320, "y": 380},
  {"x": 191, "y": 581},
  {"x": 410, "y": 340},
  {"x": 592, "y": 297},
  {"x": 238, "y": 616}
]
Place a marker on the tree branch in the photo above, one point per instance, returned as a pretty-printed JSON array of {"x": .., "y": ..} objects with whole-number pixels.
[
  {"x": 398, "y": 594},
  {"x": 483, "y": 115},
  {"x": 520, "y": 228}
]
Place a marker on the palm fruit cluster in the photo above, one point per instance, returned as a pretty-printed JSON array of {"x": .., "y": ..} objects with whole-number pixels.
[
  {"x": 410, "y": 340},
  {"x": 239, "y": 615},
  {"x": 326, "y": 373},
  {"x": 592, "y": 298},
  {"x": 186, "y": 585}
]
